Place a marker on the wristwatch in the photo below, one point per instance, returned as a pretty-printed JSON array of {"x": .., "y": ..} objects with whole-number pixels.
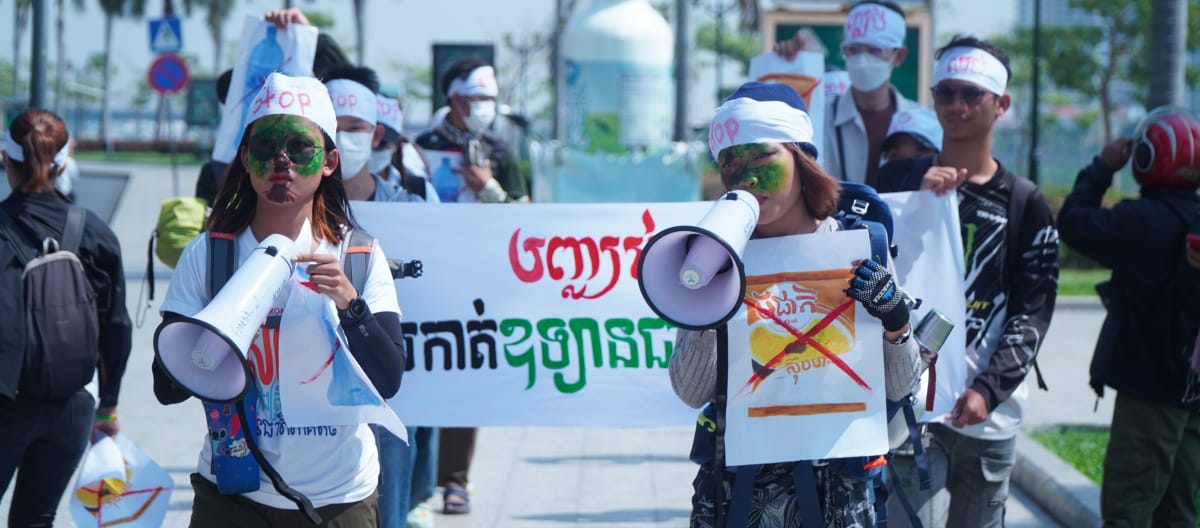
[
  {"x": 903, "y": 337},
  {"x": 357, "y": 309}
]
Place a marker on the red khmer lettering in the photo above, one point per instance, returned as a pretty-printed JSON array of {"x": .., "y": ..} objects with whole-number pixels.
[{"x": 577, "y": 259}]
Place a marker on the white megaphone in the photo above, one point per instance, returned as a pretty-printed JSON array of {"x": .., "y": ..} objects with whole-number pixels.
[
  {"x": 931, "y": 334},
  {"x": 205, "y": 354},
  {"x": 692, "y": 276}
]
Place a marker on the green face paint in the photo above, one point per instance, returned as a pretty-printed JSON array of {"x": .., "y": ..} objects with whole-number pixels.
[
  {"x": 296, "y": 136},
  {"x": 754, "y": 167}
]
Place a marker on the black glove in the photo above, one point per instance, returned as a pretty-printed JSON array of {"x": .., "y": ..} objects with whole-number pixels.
[{"x": 874, "y": 287}]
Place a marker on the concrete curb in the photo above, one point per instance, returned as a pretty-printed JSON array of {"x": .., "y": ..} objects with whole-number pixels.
[
  {"x": 1060, "y": 489},
  {"x": 1078, "y": 302}
]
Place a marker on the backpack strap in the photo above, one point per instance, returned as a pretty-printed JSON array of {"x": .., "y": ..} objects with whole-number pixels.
[
  {"x": 356, "y": 258},
  {"x": 841, "y": 150},
  {"x": 1022, "y": 191},
  {"x": 73, "y": 231},
  {"x": 220, "y": 261},
  {"x": 14, "y": 240}
]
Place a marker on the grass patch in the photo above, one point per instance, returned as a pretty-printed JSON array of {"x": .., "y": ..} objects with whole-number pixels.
[
  {"x": 1080, "y": 281},
  {"x": 161, "y": 158},
  {"x": 1081, "y": 446}
]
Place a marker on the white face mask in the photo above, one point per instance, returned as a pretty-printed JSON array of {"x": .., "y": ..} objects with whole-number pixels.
[
  {"x": 867, "y": 72},
  {"x": 482, "y": 115},
  {"x": 355, "y": 150},
  {"x": 380, "y": 159}
]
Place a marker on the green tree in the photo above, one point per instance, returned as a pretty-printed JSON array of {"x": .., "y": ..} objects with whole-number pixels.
[
  {"x": 1088, "y": 60},
  {"x": 216, "y": 13},
  {"x": 322, "y": 20},
  {"x": 736, "y": 46}
]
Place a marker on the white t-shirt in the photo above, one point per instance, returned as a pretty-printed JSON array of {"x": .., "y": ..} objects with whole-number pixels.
[{"x": 330, "y": 464}]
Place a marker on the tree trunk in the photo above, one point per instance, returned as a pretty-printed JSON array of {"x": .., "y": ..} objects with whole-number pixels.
[
  {"x": 1168, "y": 37},
  {"x": 60, "y": 63},
  {"x": 360, "y": 37},
  {"x": 1106, "y": 76},
  {"x": 20, "y": 17},
  {"x": 217, "y": 49},
  {"x": 104, "y": 107}
]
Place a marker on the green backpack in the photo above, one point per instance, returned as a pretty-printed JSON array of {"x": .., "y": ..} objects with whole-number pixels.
[{"x": 179, "y": 221}]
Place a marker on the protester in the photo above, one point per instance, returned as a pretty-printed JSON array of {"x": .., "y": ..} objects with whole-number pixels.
[
  {"x": 1011, "y": 278},
  {"x": 489, "y": 171},
  {"x": 213, "y": 171},
  {"x": 1146, "y": 350},
  {"x": 286, "y": 179},
  {"x": 352, "y": 89},
  {"x": 800, "y": 198},
  {"x": 46, "y": 437},
  {"x": 395, "y": 160},
  {"x": 855, "y": 125},
  {"x": 912, "y": 134},
  {"x": 65, "y": 182}
]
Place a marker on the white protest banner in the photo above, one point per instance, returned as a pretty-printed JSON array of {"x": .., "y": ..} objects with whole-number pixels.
[
  {"x": 929, "y": 266},
  {"x": 812, "y": 397},
  {"x": 805, "y": 73},
  {"x": 118, "y": 485},
  {"x": 262, "y": 49},
  {"x": 530, "y": 314}
]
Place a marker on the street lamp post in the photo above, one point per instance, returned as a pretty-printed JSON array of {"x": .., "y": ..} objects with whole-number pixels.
[{"x": 1034, "y": 160}]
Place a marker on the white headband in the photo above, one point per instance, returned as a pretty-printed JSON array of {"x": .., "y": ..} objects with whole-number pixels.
[
  {"x": 17, "y": 153},
  {"x": 389, "y": 114},
  {"x": 480, "y": 83},
  {"x": 972, "y": 65},
  {"x": 874, "y": 25},
  {"x": 299, "y": 96},
  {"x": 743, "y": 121},
  {"x": 352, "y": 99}
]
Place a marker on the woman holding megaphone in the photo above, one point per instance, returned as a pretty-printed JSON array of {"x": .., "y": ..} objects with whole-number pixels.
[
  {"x": 275, "y": 454},
  {"x": 762, "y": 139}
]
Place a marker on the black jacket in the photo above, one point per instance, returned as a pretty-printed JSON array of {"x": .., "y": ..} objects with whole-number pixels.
[
  {"x": 45, "y": 214},
  {"x": 1138, "y": 352}
]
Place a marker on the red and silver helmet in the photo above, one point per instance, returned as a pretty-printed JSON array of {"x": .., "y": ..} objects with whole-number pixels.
[{"x": 1166, "y": 149}]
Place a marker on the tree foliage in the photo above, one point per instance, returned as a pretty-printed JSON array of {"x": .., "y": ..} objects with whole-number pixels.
[
  {"x": 733, "y": 45},
  {"x": 1089, "y": 60}
]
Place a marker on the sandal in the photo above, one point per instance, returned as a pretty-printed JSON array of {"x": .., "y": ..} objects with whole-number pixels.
[{"x": 455, "y": 501}]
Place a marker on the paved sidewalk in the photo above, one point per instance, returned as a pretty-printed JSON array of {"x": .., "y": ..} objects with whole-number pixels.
[{"x": 522, "y": 477}]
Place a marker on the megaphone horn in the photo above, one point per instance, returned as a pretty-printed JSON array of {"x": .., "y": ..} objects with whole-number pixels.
[
  {"x": 205, "y": 354},
  {"x": 692, "y": 276}
]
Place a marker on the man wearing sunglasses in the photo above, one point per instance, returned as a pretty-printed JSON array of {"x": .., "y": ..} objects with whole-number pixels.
[
  {"x": 856, "y": 122},
  {"x": 1011, "y": 275}
]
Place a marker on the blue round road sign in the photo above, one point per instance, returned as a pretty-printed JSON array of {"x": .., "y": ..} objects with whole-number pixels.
[{"x": 168, "y": 74}]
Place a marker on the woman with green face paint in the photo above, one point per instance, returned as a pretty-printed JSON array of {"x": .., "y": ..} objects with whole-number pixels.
[
  {"x": 286, "y": 181},
  {"x": 761, "y": 138}
]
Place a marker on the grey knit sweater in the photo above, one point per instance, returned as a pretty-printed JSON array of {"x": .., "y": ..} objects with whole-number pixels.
[{"x": 693, "y": 366}]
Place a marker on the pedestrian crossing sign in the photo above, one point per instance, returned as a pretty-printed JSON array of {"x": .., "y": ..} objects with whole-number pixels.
[{"x": 166, "y": 35}]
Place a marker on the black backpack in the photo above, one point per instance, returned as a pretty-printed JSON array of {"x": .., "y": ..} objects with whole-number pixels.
[{"x": 62, "y": 331}]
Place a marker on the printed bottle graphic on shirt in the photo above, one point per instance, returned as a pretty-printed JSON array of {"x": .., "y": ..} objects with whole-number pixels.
[
  {"x": 265, "y": 58},
  {"x": 445, "y": 181}
]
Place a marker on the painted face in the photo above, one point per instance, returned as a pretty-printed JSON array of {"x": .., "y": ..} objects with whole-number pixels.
[
  {"x": 966, "y": 110},
  {"x": 766, "y": 170},
  {"x": 285, "y": 156}
]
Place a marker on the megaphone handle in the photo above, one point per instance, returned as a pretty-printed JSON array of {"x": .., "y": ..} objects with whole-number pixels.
[{"x": 277, "y": 481}]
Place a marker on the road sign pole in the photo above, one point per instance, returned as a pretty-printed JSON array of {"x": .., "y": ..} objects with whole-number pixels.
[{"x": 174, "y": 147}]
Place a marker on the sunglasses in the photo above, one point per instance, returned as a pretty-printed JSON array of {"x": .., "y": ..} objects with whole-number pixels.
[
  {"x": 946, "y": 95},
  {"x": 298, "y": 151}
]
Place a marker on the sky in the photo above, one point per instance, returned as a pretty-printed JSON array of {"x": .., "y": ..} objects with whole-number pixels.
[{"x": 398, "y": 32}]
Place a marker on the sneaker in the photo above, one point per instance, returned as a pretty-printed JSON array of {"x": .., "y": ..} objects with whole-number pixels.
[{"x": 421, "y": 516}]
